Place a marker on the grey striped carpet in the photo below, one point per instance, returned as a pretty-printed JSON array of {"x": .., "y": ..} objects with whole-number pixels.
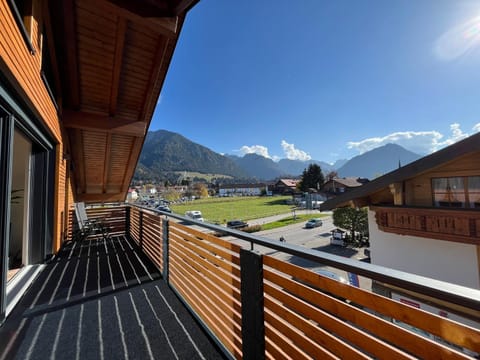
[{"x": 102, "y": 299}]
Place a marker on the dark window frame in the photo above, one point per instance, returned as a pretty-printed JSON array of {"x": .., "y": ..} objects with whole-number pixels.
[
  {"x": 46, "y": 71},
  {"x": 467, "y": 204},
  {"x": 21, "y": 25}
]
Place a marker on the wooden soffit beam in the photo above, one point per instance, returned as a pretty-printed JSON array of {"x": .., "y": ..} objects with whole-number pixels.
[
  {"x": 165, "y": 26},
  {"x": 71, "y": 53},
  {"x": 109, "y": 124},
  {"x": 117, "y": 68},
  {"x": 155, "y": 8},
  {"x": 99, "y": 198}
]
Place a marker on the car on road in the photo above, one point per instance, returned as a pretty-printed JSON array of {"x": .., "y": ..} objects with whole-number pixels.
[
  {"x": 236, "y": 224},
  {"x": 165, "y": 208},
  {"x": 313, "y": 223}
]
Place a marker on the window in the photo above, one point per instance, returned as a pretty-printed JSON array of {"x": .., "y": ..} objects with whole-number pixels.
[
  {"x": 474, "y": 191},
  {"x": 459, "y": 191},
  {"x": 47, "y": 72},
  {"x": 22, "y": 12}
]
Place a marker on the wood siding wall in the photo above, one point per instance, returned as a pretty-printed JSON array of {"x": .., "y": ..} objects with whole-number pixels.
[{"x": 22, "y": 70}]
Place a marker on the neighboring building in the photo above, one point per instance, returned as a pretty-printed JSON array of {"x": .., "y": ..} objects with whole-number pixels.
[
  {"x": 337, "y": 186},
  {"x": 286, "y": 186},
  {"x": 424, "y": 217},
  {"x": 132, "y": 195},
  {"x": 79, "y": 81},
  {"x": 242, "y": 189}
]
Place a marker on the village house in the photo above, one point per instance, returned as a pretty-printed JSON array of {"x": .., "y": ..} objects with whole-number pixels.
[
  {"x": 424, "y": 219},
  {"x": 285, "y": 186},
  {"x": 242, "y": 189},
  {"x": 337, "y": 185}
]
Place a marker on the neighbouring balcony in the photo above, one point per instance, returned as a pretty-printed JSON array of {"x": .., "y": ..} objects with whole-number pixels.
[
  {"x": 456, "y": 225},
  {"x": 102, "y": 297}
]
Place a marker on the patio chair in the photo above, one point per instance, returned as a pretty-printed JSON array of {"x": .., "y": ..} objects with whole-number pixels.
[{"x": 86, "y": 226}]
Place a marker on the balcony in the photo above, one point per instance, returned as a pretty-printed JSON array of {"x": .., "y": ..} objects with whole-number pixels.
[
  {"x": 458, "y": 225},
  {"x": 164, "y": 287}
]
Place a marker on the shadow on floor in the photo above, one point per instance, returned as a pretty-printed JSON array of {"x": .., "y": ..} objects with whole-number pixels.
[{"x": 102, "y": 299}]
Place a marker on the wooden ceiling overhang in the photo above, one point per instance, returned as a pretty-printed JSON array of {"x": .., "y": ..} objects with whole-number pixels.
[{"x": 112, "y": 58}]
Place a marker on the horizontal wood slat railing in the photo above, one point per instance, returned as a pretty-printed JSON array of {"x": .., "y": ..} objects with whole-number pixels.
[
  {"x": 256, "y": 306},
  {"x": 358, "y": 316},
  {"x": 205, "y": 271},
  {"x": 112, "y": 217},
  {"x": 456, "y": 225}
]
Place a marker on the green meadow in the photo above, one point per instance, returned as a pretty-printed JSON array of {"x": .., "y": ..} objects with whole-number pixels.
[{"x": 221, "y": 210}]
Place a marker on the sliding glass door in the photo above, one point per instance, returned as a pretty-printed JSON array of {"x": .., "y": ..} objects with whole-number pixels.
[{"x": 27, "y": 160}]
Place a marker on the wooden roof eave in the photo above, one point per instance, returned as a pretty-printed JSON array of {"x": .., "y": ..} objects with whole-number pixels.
[{"x": 80, "y": 123}]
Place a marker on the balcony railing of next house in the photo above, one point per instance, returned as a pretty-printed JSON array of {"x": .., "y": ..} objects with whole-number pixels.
[
  {"x": 256, "y": 306},
  {"x": 458, "y": 225}
]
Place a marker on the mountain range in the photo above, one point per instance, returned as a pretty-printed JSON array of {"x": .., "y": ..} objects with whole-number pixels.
[{"x": 165, "y": 153}]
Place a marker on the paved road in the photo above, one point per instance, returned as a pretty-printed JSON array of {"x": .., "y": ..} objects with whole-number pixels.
[{"x": 316, "y": 238}]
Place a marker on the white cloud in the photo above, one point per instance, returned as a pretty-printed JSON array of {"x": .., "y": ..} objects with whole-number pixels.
[
  {"x": 459, "y": 40},
  {"x": 420, "y": 142},
  {"x": 476, "y": 128},
  {"x": 294, "y": 154},
  {"x": 254, "y": 149}
]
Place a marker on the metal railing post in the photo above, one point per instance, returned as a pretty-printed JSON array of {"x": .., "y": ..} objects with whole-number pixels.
[
  {"x": 165, "y": 249},
  {"x": 253, "y": 329},
  {"x": 127, "y": 221}
]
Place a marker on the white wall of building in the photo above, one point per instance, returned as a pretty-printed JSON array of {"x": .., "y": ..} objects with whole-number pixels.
[{"x": 443, "y": 260}]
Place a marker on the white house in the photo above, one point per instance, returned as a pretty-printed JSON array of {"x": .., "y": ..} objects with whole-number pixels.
[{"x": 424, "y": 219}]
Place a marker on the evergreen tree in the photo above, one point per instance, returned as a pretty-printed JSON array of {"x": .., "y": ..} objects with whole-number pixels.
[{"x": 311, "y": 178}]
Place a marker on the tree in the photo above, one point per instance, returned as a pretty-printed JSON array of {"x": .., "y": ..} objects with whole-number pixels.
[
  {"x": 200, "y": 190},
  {"x": 353, "y": 220},
  {"x": 311, "y": 178}
]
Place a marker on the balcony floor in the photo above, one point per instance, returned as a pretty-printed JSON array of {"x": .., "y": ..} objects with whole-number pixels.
[{"x": 102, "y": 299}]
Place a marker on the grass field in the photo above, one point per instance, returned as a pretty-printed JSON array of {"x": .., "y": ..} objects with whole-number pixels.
[{"x": 221, "y": 210}]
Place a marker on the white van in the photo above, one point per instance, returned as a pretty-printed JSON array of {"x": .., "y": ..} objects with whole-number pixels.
[{"x": 195, "y": 215}]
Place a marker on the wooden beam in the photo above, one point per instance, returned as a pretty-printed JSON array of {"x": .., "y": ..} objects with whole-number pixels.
[
  {"x": 159, "y": 66},
  {"x": 71, "y": 54},
  {"x": 118, "y": 61},
  {"x": 132, "y": 163},
  {"x": 76, "y": 139},
  {"x": 147, "y": 9},
  {"x": 165, "y": 26},
  {"x": 99, "y": 198},
  {"x": 183, "y": 6},
  {"x": 112, "y": 125}
]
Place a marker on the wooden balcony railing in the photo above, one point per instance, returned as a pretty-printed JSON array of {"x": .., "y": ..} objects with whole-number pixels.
[
  {"x": 256, "y": 306},
  {"x": 444, "y": 224}
]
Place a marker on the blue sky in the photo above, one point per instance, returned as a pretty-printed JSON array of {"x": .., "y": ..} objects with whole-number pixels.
[{"x": 322, "y": 79}]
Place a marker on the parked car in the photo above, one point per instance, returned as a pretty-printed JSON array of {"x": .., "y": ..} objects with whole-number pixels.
[
  {"x": 313, "y": 223},
  {"x": 236, "y": 224},
  {"x": 195, "y": 215},
  {"x": 165, "y": 208}
]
